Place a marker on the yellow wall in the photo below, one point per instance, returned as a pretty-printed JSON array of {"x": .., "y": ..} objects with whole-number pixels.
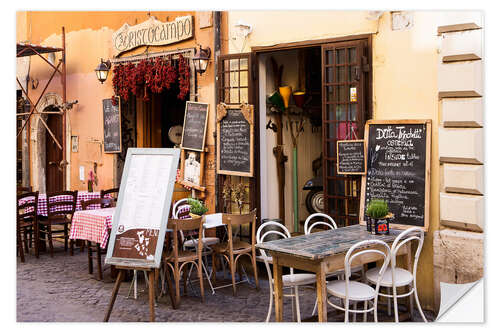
[
  {"x": 404, "y": 77},
  {"x": 89, "y": 38}
]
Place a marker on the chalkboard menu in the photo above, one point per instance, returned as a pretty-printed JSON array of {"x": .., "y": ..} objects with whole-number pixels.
[
  {"x": 195, "y": 124},
  {"x": 351, "y": 157},
  {"x": 398, "y": 170},
  {"x": 235, "y": 141},
  {"x": 112, "y": 126}
]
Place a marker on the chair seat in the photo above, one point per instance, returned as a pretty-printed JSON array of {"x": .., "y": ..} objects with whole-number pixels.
[
  {"x": 357, "y": 291},
  {"x": 238, "y": 246},
  {"x": 55, "y": 221},
  {"x": 402, "y": 277},
  {"x": 183, "y": 256},
  {"x": 207, "y": 241},
  {"x": 300, "y": 279}
]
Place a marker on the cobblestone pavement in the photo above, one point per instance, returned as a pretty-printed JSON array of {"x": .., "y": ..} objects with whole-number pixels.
[{"x": 60, "y": 289}]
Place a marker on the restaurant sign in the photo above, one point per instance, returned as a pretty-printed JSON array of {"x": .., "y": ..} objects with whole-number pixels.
[{"x": 152, "y": 32}]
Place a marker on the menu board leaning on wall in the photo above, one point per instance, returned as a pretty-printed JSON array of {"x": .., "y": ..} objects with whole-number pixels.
[
  {"x": 141, "y": 215},
  {"x": 195, "y": 126},
  {"x": 112, "y": 126},
  {"x": 398, "y": 170}
]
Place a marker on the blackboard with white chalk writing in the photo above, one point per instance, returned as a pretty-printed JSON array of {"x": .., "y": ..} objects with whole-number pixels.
[
  {"x": 112, "y": 126},
  {"x": 195, "y": 124},
  {"x": 351, "y": 157},
  {"x": 235, "y": 144},
  {"x": 398, "y": 170}
]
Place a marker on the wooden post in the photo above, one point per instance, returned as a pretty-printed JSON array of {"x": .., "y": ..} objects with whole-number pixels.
[
  {"x": 113, "y": 294},
  {"x": 151, "y": 275},
  {"x": 321, "y": 293}
]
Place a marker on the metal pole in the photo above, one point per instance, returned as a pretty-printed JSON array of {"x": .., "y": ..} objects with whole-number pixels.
[
  {"x": 63, "y": 79},
  {"x": 295, "y": 192}
]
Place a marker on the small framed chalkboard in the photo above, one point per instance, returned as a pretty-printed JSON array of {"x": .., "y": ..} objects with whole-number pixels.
[
  {"x": 195, "y": 126},
  {"x": 112, "y": 126},
  {"x": 351, "y": 157},
  {"x": 398, "y": 170},
  {"x": 235, "y": 139}
]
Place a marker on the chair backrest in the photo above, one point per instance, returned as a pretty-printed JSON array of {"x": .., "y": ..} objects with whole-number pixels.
[
  {"x": 177, "y": 206},
  {"x": 274, "y": 228},
  {"x": 61, "y": 203},
  {"x": 113, "y": 193},
  {"x": 360, "y": 249},
  {"x": 98, "y": 203},
  {"x": 186, "y": 225},
  {"x": 413, "y": 234},
  {"x": 24, "y": 189},
  {"x": 330, "y": 224},
  {"x": 28, "y": 209},
  {"x": 235, "y": 220}
]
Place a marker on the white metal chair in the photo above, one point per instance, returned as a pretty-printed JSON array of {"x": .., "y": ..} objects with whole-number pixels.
[
  {"x": 289, "y": 280},
  {"x": 401, "y": 277},
  {"x": 330, "y": 223},
  {"x": 348, "y": 290}
]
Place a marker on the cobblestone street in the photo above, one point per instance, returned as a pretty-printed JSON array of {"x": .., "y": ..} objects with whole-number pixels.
[{"x": 60, "y": 289}]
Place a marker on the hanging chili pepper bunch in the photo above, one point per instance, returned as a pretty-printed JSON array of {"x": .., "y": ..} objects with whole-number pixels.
[
  {"x": 169, "y": 73},
  {"x": 183, "y": 78}
]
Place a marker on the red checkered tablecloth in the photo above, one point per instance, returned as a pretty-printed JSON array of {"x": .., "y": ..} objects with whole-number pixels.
[
  {"x": 92, "y": 225},
  {"x": 82, "y": 196}
]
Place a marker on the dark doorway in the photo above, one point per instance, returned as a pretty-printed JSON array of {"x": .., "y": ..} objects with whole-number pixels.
[{"x": 54, "y": 154}]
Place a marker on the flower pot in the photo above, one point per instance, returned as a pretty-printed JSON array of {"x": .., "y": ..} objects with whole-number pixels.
[
  {"x": 378, "y": 226},
  {"x": 286, "y": 92},
  {"x": 299, "y": 97}
]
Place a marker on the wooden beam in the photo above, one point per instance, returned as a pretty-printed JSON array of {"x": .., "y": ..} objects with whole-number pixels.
[{"x": 50, "y": 132}]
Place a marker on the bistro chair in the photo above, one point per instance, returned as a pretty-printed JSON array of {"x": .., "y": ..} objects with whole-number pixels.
[
  {"x": 27, "y": 223},
  {"x": 235, "y": 248},
  {"x": 178, "y": 258},
  {"x": 59, "y": 213},
  {"x": 24, "y": 189},
  {"x": 348, "y": 290},
  {"x": 112, "y": 193},
  {"x": 289, "y": 280},
  {"x": 329, "y": 222},
  {"x": 400, "y": 276},
  {"x": 89, "y": 205}
]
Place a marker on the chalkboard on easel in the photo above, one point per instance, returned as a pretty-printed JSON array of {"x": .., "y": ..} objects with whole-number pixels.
[
  {"x": 112, "y": 126},
  {"x": 398, "y": 170},
  {"x": 351, "y": 157},
  {"x": 195, "y": 126},
  {"x": 235, "y": 140}
]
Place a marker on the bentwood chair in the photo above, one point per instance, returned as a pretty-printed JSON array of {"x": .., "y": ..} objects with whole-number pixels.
[
  {"x": 88, "y": 205},
  {"x": 235, "y": 248},
  {"x": 27, "y": 222},
  {"x": 112, "y": 193},
  {"x": 289, "y": 280},
  {"x": 59, "y": 214},
  {"x": 400, "y": 276},
  {"x": 178, "y": 258},
  {"x": 348, "y": 290}
]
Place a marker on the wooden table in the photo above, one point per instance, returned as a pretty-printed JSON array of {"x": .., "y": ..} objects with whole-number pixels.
[{"x": 321, "y": 253}]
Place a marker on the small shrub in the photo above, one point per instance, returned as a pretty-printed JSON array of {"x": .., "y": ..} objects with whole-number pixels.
[
  {"x": 197, "y": 207},
  {"x": 377, "y": 208}
]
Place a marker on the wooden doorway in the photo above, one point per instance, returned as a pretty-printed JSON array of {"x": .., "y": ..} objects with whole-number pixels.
[{"x": 54, "y": 154}]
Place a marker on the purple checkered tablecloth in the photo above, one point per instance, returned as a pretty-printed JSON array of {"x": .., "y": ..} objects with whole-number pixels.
[{"x": 82, "y": 196}]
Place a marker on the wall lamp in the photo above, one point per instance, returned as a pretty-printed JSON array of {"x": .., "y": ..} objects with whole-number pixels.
[
  {"x": 201, "y": 59},
  {"x": 102, "y": 70}
]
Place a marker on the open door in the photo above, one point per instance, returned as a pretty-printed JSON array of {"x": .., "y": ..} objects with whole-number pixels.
[
  {"x": 344, "y": 112},
  {"x": 53, "y": 168}
]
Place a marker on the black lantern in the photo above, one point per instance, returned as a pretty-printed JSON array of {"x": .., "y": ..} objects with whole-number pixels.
[
  {"x": 201, "y": 59},
  {"x": 102, "y": 70}
]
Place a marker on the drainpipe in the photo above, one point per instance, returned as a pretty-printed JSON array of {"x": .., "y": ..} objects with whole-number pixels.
[{"x": 217, "y": 48}]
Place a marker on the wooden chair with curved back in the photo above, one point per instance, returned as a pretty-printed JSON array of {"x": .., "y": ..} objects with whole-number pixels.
[
  {"x": 178, "y": 258},
  {"x": 96, "y": 204},
  {"x": 59, "y": 213},
  {"x": 235, "y": 248},
  {"x": 113, "y": 193},
  {"x": 27, "y": 222}
]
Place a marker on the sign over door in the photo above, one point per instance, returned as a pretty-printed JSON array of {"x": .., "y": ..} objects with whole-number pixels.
[
  {"x": 398, "y": 170},
  {"x": 141, "y": 215}
]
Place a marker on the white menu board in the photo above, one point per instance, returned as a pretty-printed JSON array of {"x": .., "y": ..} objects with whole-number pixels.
[{"x": 141, "y": 215}]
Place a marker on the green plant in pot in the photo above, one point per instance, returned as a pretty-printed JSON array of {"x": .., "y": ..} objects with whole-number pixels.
[
  {"x": 378, "y": 215},
  {"x": 197, "y": 208}
]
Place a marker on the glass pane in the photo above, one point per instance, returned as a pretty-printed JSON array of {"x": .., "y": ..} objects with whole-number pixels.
[
  {"x": 244, "y": 78},
  {"x": 234, "y": 79},
  {"x": 226, "y": 65},
  {"x": 341, "y": 94},
  {"x": 226, "y": 79},
  {"x": 243, "y": 63},
  {"x": 332, "y": 167},
  {"x": 353, "y": 110},
  {"x": 340, "y": 112},
  {"x": 340, "y": 74},
  {"x": 329, "y": 57},
  {"x": 330, "y": 114},
  {"x": 234, "y": 96},
  {"x": 352, "y": 73},
  {"x": 244, "y": 95},
  {"x": 226, "y": 96},
  {"x": 329, "y": 74},
  {"x": 331, "y": 206},
  {"x": 340, "y": 56},
  {"x": 329, "y": 93},
  {"x": 352, "y": 54},
  {"x": 330, "y": 131},
  {"x": 234, "y": 64}
]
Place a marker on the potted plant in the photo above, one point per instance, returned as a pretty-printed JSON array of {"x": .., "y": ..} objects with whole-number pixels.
[
  {"x": 197, "y": 208},
  {"x": 378, "y": 215}
]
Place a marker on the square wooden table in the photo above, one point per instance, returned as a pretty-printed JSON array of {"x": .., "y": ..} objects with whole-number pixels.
[{"x": 321, "y": 253}]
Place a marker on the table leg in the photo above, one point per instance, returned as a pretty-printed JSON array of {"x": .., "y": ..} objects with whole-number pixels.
[
  {"x": 321, "y": 292},
  {"x": 278, "y": 290},
  {"x": 151, "y": 295},
  {"x": 409, "y": 303}
]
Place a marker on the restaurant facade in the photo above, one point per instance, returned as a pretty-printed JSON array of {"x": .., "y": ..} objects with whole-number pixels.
[{"x": 352, "y": 67}]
